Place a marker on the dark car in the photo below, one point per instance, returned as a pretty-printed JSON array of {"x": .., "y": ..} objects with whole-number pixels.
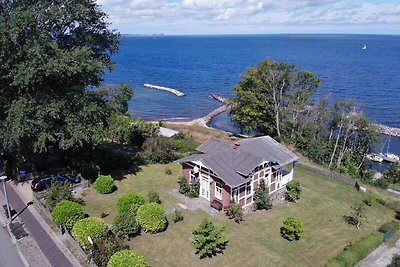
[{"x": 43, "y": 182}]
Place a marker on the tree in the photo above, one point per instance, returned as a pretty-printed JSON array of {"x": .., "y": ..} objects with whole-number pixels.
[
  {"x": 125, "y": 224},
  {"x": 293, "y": 190},
  {"x": 51, "y": 52},
  {"x": 392, "y": 174},
  {"x": 104, "y": 248},
  {"x": 262, "y": 200},
  {"x": 235, "y": 212},
  {"x": 292, "y": 229},
  {"x": 58, "y": 192},
  {"x": 127, "y": 258},
  {"x": 67, "y": 213},
  {"x": 262, "y": 95},
  {"x": 209, "y": 239}
]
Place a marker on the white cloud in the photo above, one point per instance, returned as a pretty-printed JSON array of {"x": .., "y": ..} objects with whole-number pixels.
[{"x": 252, "y": 16}]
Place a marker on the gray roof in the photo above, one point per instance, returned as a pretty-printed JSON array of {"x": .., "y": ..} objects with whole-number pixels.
[{"x": 235, "y": 165}]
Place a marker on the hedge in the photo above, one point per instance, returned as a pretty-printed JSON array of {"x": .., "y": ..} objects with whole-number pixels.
[
  {"x": 129, "y": 200},
  {"x": 92, "y": 226},
  {"x": 357, "y": 250},
  {"x": 125, "y": 258},
  {"x": 104, "y": 184},
  {"x": 152, "y": 218},
  {"x": 67, "y": 213}
]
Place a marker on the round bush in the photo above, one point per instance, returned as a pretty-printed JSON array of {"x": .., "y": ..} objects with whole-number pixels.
[
  {"x": 151, "y": 217},
  {"x": 91, "y": 226},
  {"x": 67, "y": 213},
  {"x": 104, "y": 184},
  {"x": 128, "y": 201},
  {"x": 292, "y": 229},
  {"x": 125, "y": 224},
  {"x": 127, "y": 258}
]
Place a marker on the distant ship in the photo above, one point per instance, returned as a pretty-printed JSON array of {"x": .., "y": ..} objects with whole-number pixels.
[{"x": 364, "y": 47}]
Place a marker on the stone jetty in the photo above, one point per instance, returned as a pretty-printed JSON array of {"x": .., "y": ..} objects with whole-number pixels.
[
  {"x": 162, "y": 88},
  {"x": 391, "y": 131}
]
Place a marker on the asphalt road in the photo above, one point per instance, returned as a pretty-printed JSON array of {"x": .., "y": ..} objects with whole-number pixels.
[{"x": 8, "y": 252}]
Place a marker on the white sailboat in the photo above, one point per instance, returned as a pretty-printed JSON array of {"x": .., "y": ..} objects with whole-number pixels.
[
  {"x": 364, "y": 47},
  {"x": 390, "y": 157}
]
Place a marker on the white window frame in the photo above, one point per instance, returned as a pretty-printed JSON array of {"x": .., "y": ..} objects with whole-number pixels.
[
  {"x": 235, "y": 195},
  {"x": 218, "y": 191},
  {"x": 192, "y": 177},
  {"x": 249, "y": 185}
]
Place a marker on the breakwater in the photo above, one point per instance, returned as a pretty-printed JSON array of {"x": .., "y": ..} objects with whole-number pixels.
[
  {"x": 162, "y": 88},
  {"x": 391, "y": 131}
]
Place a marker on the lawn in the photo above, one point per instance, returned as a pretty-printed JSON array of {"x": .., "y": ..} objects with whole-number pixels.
[{"x": 256, "y": 241}]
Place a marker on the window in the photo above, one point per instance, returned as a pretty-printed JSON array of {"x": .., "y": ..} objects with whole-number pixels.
[
  {"x": 192, "y": 177},
  {"x": 235, "y": 195},
  {"x": 218, "y": 191},
  {"x": 248, "y": 188}
]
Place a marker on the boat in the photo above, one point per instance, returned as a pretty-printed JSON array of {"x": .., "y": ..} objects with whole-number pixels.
[
  {"x": 364, "y": 47},
  {"x": 375, "y": 157},
  {"x": 389, "y": 157}
]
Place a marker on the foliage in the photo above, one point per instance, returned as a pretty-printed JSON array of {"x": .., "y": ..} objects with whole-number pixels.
[
  {"x": 235, "y": 212},
  {"x": 357, "y": 214},
  {"x": 56, "y": 193},
  {"x": 191, "y": 191},
  {"x": 67, "y": 213},
  {"x": 292, "y": 229},
  {"x": 105, "y": 247},
  {"x": 116, "y": 96},
  {"x": 91, "y": 226},
  {"x": 128, "y": 201},
  {"x": 356, "y": 251},
  {"x": 293, "y": 190},
  {"x": 105, "y": 184},
  {"x": 392, "y": 174},
  {"x": 153, "y": 196},
  {"x": 168, "y": 171},
  {"x": 395, "y": 261},
  {"x": 46, "y": 70},
  {"x": 177, "y": 216},
  {"x": 390, "y": 226},
  {"x": 127, "y": 257},
  {"x": 89, "y": 171},
  {"x": 125, "y": 224},
  {"x": 262, "y": 200},
  {"x": 209, "y": 239},
  {"x": 152, "y": 218}
]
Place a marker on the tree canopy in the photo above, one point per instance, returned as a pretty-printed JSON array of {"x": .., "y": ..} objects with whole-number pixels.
[{"x": 52, "y": 52}]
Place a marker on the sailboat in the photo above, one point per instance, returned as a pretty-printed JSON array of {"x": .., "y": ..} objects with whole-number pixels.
[
  {"x": 364, "y": 47},
  {"x": 390, "y": 157}
]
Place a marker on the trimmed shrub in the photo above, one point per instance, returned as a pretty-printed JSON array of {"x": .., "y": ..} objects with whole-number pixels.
[
  {"x": 127, "y": 257},
  {"x": 105, "y": 247},
  {"x": 357, "y": 250},
  {"x": 235, "y": 212},
  {"x": 194, "y": 190},
  {"x": 177, "y": 216},
  {"x": 125, "y": 224},
  {"x": 56, "y": 193},
  {"x": 128, "y": 201},
  {"x": 292, "y": 229},
  {"x": 209, "y": 240},
  {"x": 91, "y": 226},
  {"x": 262, "y": 200},
  {"x": 67, "y": 213},
  {"x": 152, "y": 218},
  {"x": 393, "y": 226},
  {"x": 184, "y": 187},
  {"x": 105, "y": 184},
  {"x": 153, "y": 196},
  {"x": 293, "y": 190}
]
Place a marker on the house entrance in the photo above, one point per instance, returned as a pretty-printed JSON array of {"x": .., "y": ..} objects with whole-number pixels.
[{"x": 204, "y": 188}]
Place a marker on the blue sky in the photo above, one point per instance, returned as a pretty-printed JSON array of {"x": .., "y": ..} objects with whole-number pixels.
[{"x": 253, "y": 16}]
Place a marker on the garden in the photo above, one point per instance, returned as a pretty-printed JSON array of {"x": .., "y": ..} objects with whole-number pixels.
[{"x": 322, "y": 209}]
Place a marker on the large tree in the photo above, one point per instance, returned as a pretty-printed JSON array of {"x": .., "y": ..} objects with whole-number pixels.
[
  {"x": 268, "y": 90},
  {"x": 51, "y": 52}
]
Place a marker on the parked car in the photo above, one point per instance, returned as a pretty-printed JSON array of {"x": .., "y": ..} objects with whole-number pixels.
[{"x": 44, "y": 182}]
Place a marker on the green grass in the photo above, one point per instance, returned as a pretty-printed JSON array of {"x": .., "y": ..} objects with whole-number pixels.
[
  {"x": 256, "y": 241},
  {"x": 151, "y": 177}
]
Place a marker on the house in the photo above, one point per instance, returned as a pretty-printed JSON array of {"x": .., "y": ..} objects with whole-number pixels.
[{"x": 232, "y": 171}]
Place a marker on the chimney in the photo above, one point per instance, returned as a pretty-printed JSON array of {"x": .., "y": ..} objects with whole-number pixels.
[{"x": 236, "y": 146}]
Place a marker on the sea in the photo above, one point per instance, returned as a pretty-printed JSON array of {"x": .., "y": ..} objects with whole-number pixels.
[{"x": 213, "y": 64}]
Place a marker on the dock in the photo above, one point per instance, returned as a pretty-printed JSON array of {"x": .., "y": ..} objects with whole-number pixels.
[{"x": 162, "y": 88}]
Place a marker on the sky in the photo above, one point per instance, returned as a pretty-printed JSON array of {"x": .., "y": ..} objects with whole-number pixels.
[{"x": 182, "y": 17}]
